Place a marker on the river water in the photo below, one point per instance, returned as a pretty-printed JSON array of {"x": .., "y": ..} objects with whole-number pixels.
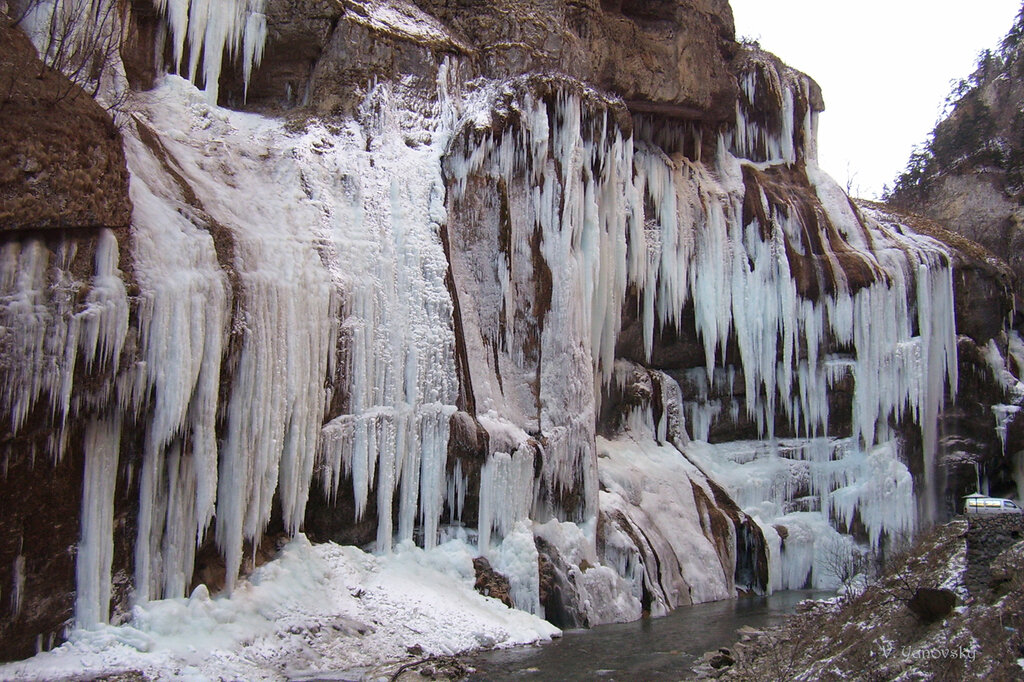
[{"x": 648, "y": 649}]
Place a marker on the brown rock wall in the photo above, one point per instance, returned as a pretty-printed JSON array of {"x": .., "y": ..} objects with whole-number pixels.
[{"x": 61, "y": 159}]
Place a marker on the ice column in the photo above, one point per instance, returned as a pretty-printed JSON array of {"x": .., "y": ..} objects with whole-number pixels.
[
  {"x": 506, "y": 493},
  {"x": 277, "y": 397},
  {"x": 96, "y": 547}
]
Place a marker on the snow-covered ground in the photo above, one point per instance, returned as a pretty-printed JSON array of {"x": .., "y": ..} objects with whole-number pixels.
[{"x": 314, "y": 608}]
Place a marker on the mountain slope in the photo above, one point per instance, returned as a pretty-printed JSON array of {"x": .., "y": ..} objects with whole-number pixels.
[{"x": 969, "y": 175}]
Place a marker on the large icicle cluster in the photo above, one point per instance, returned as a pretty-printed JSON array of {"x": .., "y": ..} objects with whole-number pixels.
[
  {"x": 50, "y": 333},
  {"x": 291, "y": 324},
  {"x": 281, "y": 310},
  {"x": 184, "y": 307},
  {"x": 342, "y": 239},
  {"x": 382, "y": 201},
  {"x": 208, "y": 30},
  {"x": 542, "y": 331},
  {"x": 782, "y": 274},
  {"x": 772, "y": 259},
  {"x": 805, "y": 485},
  {"x": 250, "y": 319},
  {"x": 56, "y": 328}
]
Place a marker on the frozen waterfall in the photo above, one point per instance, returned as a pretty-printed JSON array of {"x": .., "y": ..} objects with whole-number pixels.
[{"x": 290, "y": 303}]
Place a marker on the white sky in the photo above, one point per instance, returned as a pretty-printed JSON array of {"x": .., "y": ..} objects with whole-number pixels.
[{"x": 884, "y": 66}]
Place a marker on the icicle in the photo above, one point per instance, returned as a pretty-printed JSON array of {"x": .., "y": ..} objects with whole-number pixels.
[
  {"x": 1012, "y": 387},
  {"x": 96, "y": 546},
  {"x": 209, "y": 28},
  {"x": 17, "y": 584},
  {"x": 506, "y": 493},
  {"x": 49, "y": 329},
  {"x": 455, "y": 494}
]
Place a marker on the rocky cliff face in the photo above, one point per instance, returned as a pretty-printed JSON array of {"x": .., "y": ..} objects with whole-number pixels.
[
  {"x": 671, "y": 57},
  {"x": 479, "y": 271},
  {"x": 62, "y": 180}
]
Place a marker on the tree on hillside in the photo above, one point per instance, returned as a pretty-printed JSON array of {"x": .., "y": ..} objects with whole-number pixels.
[{"x": 967, "y": 136}]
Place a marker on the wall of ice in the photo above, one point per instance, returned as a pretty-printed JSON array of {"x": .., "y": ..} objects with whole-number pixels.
[
  {"x": 267, "y": 288},
  {"x": 789, "y": 287},
  {"x": 281, "y": 316}
]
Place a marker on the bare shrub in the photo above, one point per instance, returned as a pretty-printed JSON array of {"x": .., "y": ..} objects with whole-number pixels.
[
  {"x": 81, "y": 39},
  {"x": 848, "y": 563}
]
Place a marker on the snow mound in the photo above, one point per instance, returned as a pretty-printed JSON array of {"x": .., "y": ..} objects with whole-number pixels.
[{"x": 315, "y": 608}]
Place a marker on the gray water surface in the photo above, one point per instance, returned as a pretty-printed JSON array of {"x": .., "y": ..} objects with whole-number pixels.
[{"x": 649, "y": 649}]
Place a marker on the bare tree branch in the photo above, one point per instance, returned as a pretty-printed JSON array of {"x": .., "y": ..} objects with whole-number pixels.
[{"x": 79, "y": 38}]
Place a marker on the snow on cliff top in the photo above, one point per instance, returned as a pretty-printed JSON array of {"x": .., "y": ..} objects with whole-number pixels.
[{"x": 404, "y": 20}]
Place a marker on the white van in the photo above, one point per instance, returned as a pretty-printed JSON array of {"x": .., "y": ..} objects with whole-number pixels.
[{"x": 981, "y": 505}]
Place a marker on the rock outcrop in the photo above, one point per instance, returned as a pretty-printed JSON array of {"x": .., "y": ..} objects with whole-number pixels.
[
  {"x": 61, "y": 156},
  {"x": 969, "y": 177},
  {"x": 669, "y": 57}
]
